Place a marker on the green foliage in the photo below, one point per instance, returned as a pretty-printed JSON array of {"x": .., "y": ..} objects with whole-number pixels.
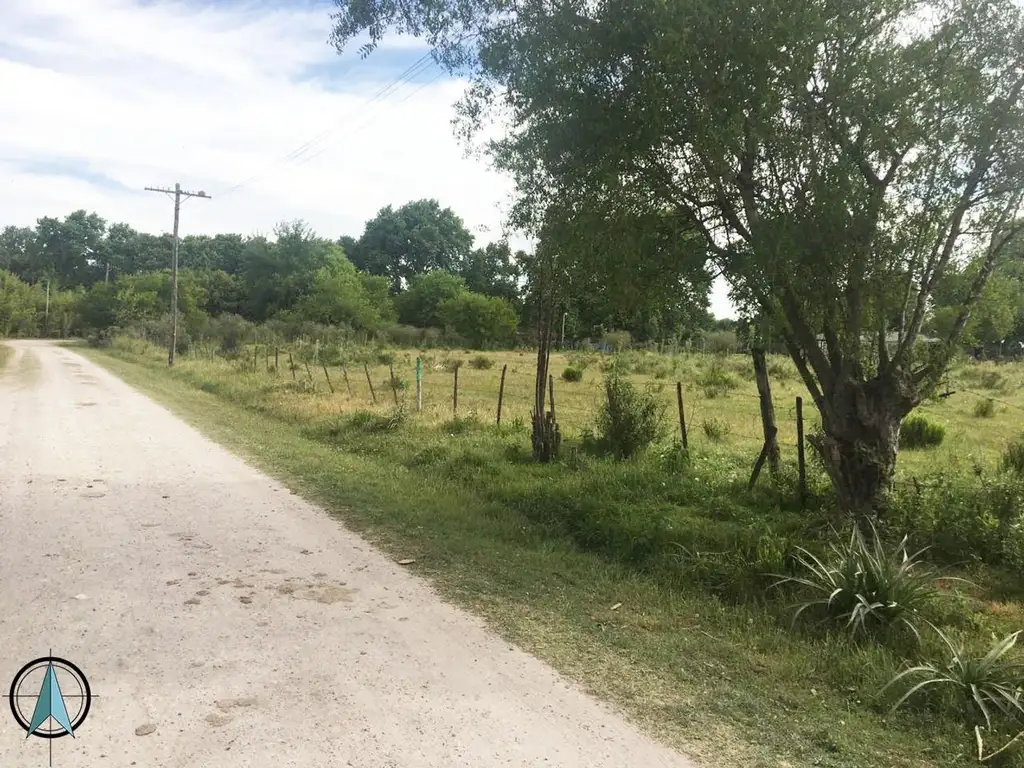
[
  {"x": 481, "y": 363},
  {"x": 986, "y": 685},
  {"x": 863, "y": 586},
  {"x": 340, "y": 295},
  {"x": 419, "y": 304},
  {"x": 716, "y": 380},
  {"x": 617, "y": 340},
  {"x": 721, "y": 342},
  {"x": 484, "y": 321},
  {"x": 918, "y": 432},
  {"x": 629, "y": 420},
  {"x": 415, "y": 239},
  {"x": 964, "y": 521},
  {"x": 985, "y": 409},
  {"x": 1012, "y": 458},
  {"x": 715, "y": 430},
  {"x": 572, "y": 373}
]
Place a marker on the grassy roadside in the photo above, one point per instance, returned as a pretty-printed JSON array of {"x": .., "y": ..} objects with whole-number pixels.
[
  {"x": 6, "y": 353},
  {"x": 725, "y": 681}
]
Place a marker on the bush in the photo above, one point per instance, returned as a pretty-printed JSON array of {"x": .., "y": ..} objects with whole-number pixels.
[
  {"x": 629, "y": 420},
  {"x": 986, "y": 684},
  {"x": 863, "y": 586},
  {"x": 991, "y": 380},
  {"x": 715, "y": 430},
  {"x": 572, "y": 373},
  {"x": 716, "y": 380},
  {"x": 451, "y": 364},
  {"x": 963, "y": 521},
  {"x": 917, "y": 432},
  {"x": 481, "y": 363},
  {"x": 617, "y": 340},
  {"x": 721, "y": 342},
  {"x": 985, "y": 409},
  {"x": 1012, "y": 459}
]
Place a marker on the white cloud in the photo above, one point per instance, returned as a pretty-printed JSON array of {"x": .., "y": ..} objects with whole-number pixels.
[{"x": 209, "y": 95}]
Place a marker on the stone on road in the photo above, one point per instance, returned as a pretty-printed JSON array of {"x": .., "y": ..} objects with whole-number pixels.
[{"x": 173, "y": 575}]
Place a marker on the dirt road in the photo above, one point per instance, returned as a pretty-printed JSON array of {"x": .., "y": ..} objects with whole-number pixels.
[{"x": 202, "y": 598}]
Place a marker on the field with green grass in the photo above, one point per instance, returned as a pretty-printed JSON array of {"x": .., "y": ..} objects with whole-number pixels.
[{"x": 650, "y": 580}]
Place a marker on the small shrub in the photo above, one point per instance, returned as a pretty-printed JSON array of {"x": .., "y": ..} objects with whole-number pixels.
[
  {"x": 715, "y": 429},
  {"x": 992, "y": 380},
  {"x": 716, "y": 380},
  {"x": 451, "y": 364},
  {"x": 376, "y": 423},
  {"x": 481, "y": 363},
  {"x": 572, "y": 373},
  {"x": 1012, "y": 459},
  {"x": 629, "y": 420},
  {"x": 986, "y": 684},
  {"x": 460, "y": 425},
  {"x": 917, "y": 432},
  {"x": 617, "y": 340},
  {"x": 384, "y": 357},
  {"x": 985, "y": 409},
  {"x": 864, "y": 586}
]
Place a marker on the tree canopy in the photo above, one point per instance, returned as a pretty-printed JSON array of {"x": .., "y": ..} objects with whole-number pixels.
[{"x": 837, "y": 158}]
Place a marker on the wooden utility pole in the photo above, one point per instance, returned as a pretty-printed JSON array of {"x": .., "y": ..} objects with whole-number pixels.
[{"x": 178, "y": 193}]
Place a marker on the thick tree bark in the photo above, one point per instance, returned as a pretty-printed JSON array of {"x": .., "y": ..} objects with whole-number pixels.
[{"x": 860, "y": 440}]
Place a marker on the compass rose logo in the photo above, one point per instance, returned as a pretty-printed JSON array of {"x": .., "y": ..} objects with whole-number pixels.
[{"x": 50, "y": 698}]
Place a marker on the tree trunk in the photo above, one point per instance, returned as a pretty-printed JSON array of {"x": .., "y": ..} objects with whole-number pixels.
[
  {"x": 860, "y": 440},
  {"x": 764, "y": 391}
]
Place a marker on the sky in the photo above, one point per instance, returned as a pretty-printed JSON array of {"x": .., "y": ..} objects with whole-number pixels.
[{"x": 246, "y": 101}]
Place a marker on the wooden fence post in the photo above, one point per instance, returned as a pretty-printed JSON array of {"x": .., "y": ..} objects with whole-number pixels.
[
  {"x": 268, "y": 359},
  {"x": 455, "y": 394},
  {"x": 348, "y": 386},
  {"x": 551, "y": 395},
  {"x": 291, "y": 364},
  {"x": 328, "y": 377},
  {"x": 501, "y": 390},
  {"x": 766, "y": 449},
  {"x": 801, "y": 462},
  {"x": 682, "y": 414},
  {"x": 255, "y": 356},
  {"x": 419, "y": 384},
  {"x": 394, "y": 384},
  {"x": 277, "y": 360},
  {"x": 308, "y": 372},
  {"x": 369, "y": 381}
]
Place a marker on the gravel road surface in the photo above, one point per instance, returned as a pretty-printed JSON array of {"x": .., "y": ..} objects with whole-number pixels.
[{"x": 223, "y": 622}]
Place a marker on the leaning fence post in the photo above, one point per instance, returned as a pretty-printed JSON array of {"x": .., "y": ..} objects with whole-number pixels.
[
  {"x": 369, "y": 381},
  {"x": 328, "y": 377},
  {"x": 801, "y": 462},
  {"x": 501, "y": 390},
  {"x": 765, "y": 450},
  {"x": 682, "y": 414},
  {"x": 277, "y": 360},
  {"x": 394, "y": 384},
  {"x": 348, "y": 386},
  {"x": 455, "y": 393},
  {"x": 255, "y": 356}
]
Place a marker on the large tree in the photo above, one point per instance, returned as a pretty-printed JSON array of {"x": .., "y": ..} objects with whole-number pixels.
[
  {"x": 401, "y": 243},
  {"x": 837, "y": 156}
]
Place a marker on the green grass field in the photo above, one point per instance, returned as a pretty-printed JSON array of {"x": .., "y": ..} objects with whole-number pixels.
[{"x": 643, "y": 580}]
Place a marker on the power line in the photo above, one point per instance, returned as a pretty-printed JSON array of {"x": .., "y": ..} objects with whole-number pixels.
[
  {"x": 178, "y": 193},
  {"x": 419, "y": 66},
  {"x": 365, "y": 123}
]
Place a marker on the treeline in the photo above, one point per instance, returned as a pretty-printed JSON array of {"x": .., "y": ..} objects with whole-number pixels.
[{"x": 413, "y": 276}]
